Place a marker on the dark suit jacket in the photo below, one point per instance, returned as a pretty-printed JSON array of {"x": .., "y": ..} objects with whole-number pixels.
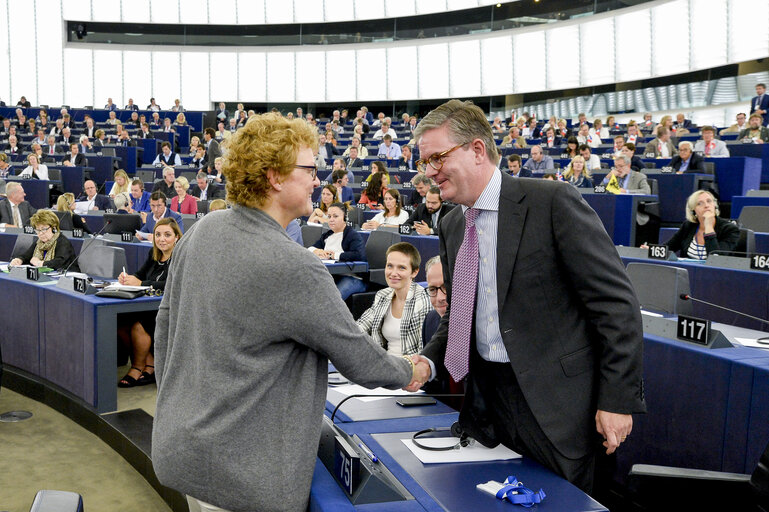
[
  {"x": 637, "y": 164},
  {"x": 416, "y": 197},
  {"x": 213, "y": 192},
  {"x": 686, "y": 124},
  {"x": 727, "y": 236},
  {"x": 354, "y": 163},
  {"x": 763, "y": 106},
  {"x": 353, "y": 248},
  {"x": 568, "y": 316},
  {"x": 80, "y": 160},
  {"x": 168, "y": 190},
  {"x": 101, "y": 201},
  {"x": 148, "y": 135},
  {"x": 131, "y": 107},
  {"x": 402, "y": 161},
  {"x": 524, "y": 173},
  {"x": 420, "y": 213},
  {"x": 63, "y": 255},
  {"x": 696, "y": 163},
  {"x": 26, "y": 211},
  {"x": 213, "y": 151},
  {"x": 331, "y": 151}
]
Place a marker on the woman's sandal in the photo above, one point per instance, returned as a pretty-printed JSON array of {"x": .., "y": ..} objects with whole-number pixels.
[
  {"x": 146, "y": 377},
  {"x": 127, "y": 381}
]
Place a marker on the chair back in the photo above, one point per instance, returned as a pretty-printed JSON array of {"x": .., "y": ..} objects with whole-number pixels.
[
  {"x": 755, "y": 218},
  {"x": 23, "y": 242},
  {"x": 659, "y": 287},
  {"x": 103, "y": 261},
  {"x": 311, "y": 234},
  {"x": 758, "y": 193},
  {"x": 376, "y": 253},
  {"x": 65, "y": 220}
]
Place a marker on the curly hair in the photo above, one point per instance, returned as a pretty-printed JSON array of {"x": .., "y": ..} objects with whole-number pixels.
[
  {"x": 45, "y": 217},
  {"x": 267, "y": 141}
]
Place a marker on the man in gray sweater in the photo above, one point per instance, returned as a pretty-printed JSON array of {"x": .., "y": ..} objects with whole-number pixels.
[{"x": 241, "y": 347}]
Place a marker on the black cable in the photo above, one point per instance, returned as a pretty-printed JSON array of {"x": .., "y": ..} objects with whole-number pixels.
[{"x": 389, "y": 396}]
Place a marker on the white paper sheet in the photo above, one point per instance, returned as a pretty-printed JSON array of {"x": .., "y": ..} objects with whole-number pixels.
[
  {"x": 354, "y": 389},
  {"x": 649, "y": 313},
  {"x": 115, "y": 287},
  {"x": 474, "y": 453},
  {"x": 751, "y": 342}
]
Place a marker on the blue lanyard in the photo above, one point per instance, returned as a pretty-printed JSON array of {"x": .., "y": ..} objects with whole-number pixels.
[{"x": 517, "y": 494}]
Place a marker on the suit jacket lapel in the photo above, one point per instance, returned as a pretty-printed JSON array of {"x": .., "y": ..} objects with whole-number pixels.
[{"x": 512, "y": 216}]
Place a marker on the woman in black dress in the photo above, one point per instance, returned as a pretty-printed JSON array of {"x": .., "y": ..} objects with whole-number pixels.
[{"x": 137, "y": 330}]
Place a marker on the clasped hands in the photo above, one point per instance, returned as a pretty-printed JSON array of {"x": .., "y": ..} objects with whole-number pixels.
[{"x": 421, "y": 373}]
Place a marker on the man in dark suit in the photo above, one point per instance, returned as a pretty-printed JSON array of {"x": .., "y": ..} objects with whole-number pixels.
[
  {"x": 687, "y": 160},
  {"x": 682, "y": 122},
  {"x": 95, "y": 201},
  {"x": 407, "y": 160},
  {"x": 145, "y": 132},
  {"x": 540, "y": 386},
  {"x": 427, "y": 216},
  {"x": 421, "y": 185},
  {"x": 221, "y": 113},
  {"x": 66, "y": 137},
  {"x": 212, "y": 147},
  {"x": 124, "y": 139},
  {"x": 514, "y": 166},
  {"x": 52, "y": 148},
  {"x": 13, "y": 148},
  {"x": 131, "y": 105},
  {"x": 15, "y": 211},
  {"x": 760, "y": 103},
  {"x": 353, "y": 161},
  {"x": 204, "y": 190},
  {"x": 75, "y": 158}
]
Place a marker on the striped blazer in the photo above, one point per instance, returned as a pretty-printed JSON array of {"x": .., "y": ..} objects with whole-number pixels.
[{"x": 414, "y": 312}]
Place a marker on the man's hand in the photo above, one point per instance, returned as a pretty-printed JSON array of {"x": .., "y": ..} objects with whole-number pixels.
[
  {"x": 613, "y": 427},
  {"x": 422, "y": 228},
  {"x": 421, "y": 373}
]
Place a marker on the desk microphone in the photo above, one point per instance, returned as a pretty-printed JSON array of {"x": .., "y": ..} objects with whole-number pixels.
[
  {"x": 685, "y": 296},
  {"x": 107, "y": 223}
]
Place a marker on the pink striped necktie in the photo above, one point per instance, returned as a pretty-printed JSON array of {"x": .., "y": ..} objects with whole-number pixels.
[{"x": 464, "y": 284}]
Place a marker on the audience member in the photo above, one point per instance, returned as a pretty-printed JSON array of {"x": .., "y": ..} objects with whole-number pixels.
[
  {"x": 388, "y": 149},
  {"x": 203, "y": 190},
  {"x": 66, "y": 203},
  {"x": 392, "y": 215},
  {"x": 760, "y": 103},
  {"x": 375, "y": 190},
  {"x": 50, "y": 248},
  {"x": 122, "y": 183},
  {"x": 755, "y": 132},
  {"x": 344, "y": 194},
  {"x": 592, "y": 162},
  {"x": 703, "y": 231},
  {"x": 158, "y": 211},
  {"x": 122, "y": 202},
  {"x": 738, "y": 126},
  {"x": 15, "y": 212},
  {"x": 212, "y": 147},
  {"x": 538, "y": 162},
  {"x": 35, "y": 169},
  {"x": 636, "y": 164},
  {"x": 421, "y": 185},
  {"x": 709, "y": 146},
  {"x": 687, "y": 160},
  {"x": 514, "y": 138},
  {"x": 166, "y": 156},
  {"x": 327, "y": 198},
  {"x": 407, "y": 160},
  {"x": 428, "y": 215},
  {"x": 217, "y": 204},
  {"x": 355, "y": 143},
  {"x": 660, "y": 146},
  {"x": 137, "y": 330},
  {"x": 140, "y": 199},
  {"x": 572, "y": 146},
  {"x": 91, "y": 199},
  {"x": 395, "y": 319},
  {"x": 183, "y": 203},
  {"x": 166, "y": 185},
  {"x": 577, "y": 174},
  {"x": 515, "y": 169},
  {"x": 622, "y": 180},
  {"x": 341, "y": 243}
]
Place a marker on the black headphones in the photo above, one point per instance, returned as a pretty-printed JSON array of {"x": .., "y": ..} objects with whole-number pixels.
[
  {"x": 53, "y": 230},
  {"x": 456, "y": 431}
]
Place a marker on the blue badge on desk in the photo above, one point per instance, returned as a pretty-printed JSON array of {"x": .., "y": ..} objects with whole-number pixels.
[{"x": 513, "y": 491}]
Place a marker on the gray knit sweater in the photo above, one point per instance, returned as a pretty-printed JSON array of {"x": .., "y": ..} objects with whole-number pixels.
[{"x": 243, "y": 334}]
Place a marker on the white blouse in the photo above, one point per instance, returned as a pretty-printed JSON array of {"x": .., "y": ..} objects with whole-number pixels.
[
  {"x": 391, "y": 221},
  {"x": 391, "y": 331}
]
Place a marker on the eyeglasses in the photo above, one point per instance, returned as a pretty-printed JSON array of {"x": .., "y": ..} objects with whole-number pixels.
[
  {"x": 436, "y": 160},
  {"x": 432, "y": 291},
  {"x": 41, "y": 231},
  {"x": 312, "y": 168}
]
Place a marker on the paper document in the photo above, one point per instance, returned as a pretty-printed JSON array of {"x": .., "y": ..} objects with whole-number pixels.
[
  {"x": 81, "y": 207},
  {"x": 750, "y": 342},
  {"x": 354, "y": 389},
  {"x": 649, "y": 313},
  {"x": 474, "y": 453},
  {"x": 326, "y": 262},
  {"x": 116, "y": 287}
]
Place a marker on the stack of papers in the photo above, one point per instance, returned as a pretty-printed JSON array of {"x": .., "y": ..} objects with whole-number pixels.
[
  {"x": 122, "y": 287},
  {"x": 750, "y": 342}
]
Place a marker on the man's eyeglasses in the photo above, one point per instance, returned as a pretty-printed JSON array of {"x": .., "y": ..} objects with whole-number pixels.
[
  {"x": 312, "y": 168},
  {"x": 436, "y": 160},
  {"x": 432, "y": 291}
]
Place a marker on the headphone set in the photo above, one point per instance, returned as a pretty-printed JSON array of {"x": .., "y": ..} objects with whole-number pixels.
[{"x": 456, "y": 431}]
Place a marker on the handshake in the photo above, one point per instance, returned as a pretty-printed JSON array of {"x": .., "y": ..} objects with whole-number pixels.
[{"x": 421, "y": 372}]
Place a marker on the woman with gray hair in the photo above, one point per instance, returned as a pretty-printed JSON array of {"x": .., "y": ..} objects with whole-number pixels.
[
  {"x": 242, "y": 364},
  {"x": 703, "y": 231},
  {"x": 122, "y": 203}
]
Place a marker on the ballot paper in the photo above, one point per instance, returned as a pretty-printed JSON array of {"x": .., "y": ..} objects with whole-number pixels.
[
  {"x": 354, "y": 389},
  {"x": 127, "y": 288},
  {"x": 751, "y": 342},
  {"x": 473, "y": 453}
]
